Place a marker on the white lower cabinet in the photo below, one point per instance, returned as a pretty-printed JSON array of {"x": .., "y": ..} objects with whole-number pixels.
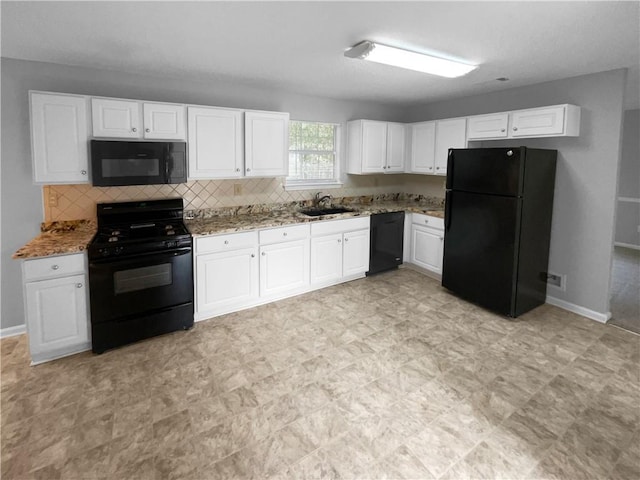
[
  {"x": 427, "y": 241},
  {"x": 56, "y": 306},
  {"x": 339, "y": 250},
  {"x": 226, "y": 279},
  {"x": 284, "y": 267}
]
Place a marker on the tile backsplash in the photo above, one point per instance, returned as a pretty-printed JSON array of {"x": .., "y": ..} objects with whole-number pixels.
[{"x": 74, "y": 202}]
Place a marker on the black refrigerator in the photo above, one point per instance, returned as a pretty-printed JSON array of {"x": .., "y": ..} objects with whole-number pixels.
[{"x": 498, "y": 208}]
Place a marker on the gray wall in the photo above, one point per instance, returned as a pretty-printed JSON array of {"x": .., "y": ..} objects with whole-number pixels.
[
  {"x": 584, "y": 208},
  {"x": 22, "y": 209},
  {"x": 628, "y": 213}
]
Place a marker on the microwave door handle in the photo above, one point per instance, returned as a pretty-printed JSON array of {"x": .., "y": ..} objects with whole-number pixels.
[{"x": 167, "y": 160}]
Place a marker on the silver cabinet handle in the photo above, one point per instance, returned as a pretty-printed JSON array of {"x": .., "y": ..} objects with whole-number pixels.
[
  {"x": 78, "y": 285},
  {"x": 441, "y": 238},
  {"x": 226, "y": 242},
  {"x": 509, "y": 153},
  {"x": 284, "y": 234},
  {"x": 147, "y": 130},
  {"x": 503, "y": 130},
  {"x": 248, "y": 169},
  {"x": 54, "y": 267},
  {"x": 346, "y": 240},
  {"x": 253, "y": 255},
  {"x": 264, "y": 254},
  {"x": 134, "y": 129},
  {"x": 339, "y": 241},
  {"x": 426, "y": 220},
  {"x": 437, "y": 168},
  {"x": 237, "y": 169},
  {"x": 430, "y": 168},
  {"x": 83, "y": 172},
  {"x": 515, "y": 129}
]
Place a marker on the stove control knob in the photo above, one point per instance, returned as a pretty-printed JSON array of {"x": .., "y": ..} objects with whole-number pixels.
[
  {"x": 171, "y": 244},
  {"x": 118, "y": 250}
]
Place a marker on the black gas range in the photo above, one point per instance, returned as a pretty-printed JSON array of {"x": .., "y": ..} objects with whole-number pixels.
[{"x": 140, "y": 272}]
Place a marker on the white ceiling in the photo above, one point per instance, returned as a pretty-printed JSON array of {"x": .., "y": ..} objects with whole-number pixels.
[{"x": 298, "y": 46}]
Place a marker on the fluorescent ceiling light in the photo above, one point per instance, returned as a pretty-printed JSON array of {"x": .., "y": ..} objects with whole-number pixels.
[{"x": 398, "y": 57}]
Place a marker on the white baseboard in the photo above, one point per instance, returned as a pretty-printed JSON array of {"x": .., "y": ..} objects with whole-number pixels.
[
  {"x": 627, "y": 245},
  {"x": 585, "y": 312},
  {"x": 13, "y": 331}
]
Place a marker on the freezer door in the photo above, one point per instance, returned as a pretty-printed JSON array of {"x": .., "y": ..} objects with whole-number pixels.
[
  {"x": 480, "y": 246},
  {"x": 497, "y": 171}
]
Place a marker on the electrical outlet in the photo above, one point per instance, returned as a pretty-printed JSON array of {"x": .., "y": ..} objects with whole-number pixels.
[
  {"x": 237, "y": 189},
  {"x": 557, "y": 280},
  {"x": 53, "y": 200}
]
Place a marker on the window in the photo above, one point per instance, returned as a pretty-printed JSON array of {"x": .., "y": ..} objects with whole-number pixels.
[{"x": 313, "y": 154}]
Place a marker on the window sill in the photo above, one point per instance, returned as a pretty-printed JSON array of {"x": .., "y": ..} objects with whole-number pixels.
[{"x": 311, "y": 186}]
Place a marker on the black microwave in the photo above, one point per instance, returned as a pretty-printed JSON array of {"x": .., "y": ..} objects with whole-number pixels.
[{"x": 121, "y": 162}]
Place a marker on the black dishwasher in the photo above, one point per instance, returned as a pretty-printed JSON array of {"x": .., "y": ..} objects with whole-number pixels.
[{"x": 387, "y": 233}]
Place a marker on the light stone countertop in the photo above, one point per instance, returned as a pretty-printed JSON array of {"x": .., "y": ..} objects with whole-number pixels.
[
  {"x": 253, "y": 221},
  {"x": 59, "y": 238},
  {"x": 66, "y": 237}
]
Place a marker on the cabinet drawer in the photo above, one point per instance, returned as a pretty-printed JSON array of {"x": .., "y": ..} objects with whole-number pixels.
[
  {"x": 221, "y": 243},
  {"x": 339, "y": 226},
  {"x": 428, "y": 221},
  {"x": 284, "y": 234},
  {"x": 52, "y": 267}
]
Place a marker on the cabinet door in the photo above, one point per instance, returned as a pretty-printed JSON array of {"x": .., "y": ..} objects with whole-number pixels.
[
  {"x": 115, "y": 118},
  {"x": 215, "y": 143},
  {"x": 374, "y": 146},
  {"x": 163, "y": 121},
  {"x": 449, "y": 134},
  {"x": 326, "y": 258},
  {"x": 426, "y": 248},
  {"x": 487, "y": 126},
  {"x": 423, "y": 139},
  {"x": 59, "y": 138},
  {"x": 226, "y": 279},
  {"x": 355, "y": 258},
  {"x": 538, "y": 122},
  {"x": 57, "y": 314},
  {"x": 396, "y": 146},
  {"x": 266, "y": 144},
  {"x": 284, "y": 267}
]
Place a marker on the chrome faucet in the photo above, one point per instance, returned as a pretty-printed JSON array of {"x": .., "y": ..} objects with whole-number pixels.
[{"x": 317, "y": 200}]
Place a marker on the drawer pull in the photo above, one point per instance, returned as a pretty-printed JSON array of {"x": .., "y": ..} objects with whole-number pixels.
[
  {"x": 284, "y": 234},
  {"x": 339, "y": 241},
  {"x": 264, "y": 254},
  {"x": 83, "y": 172},
  {"x": 147, "y": 130},
  {"x": 426, "y": 221},
  {"x": 78, "y": 285},
  {"x": 54, "y": 267},
  {"x": 515, "y": 129},
  {"x": 346, "y": 240},
  {"x": 226, "y": 242},
  {"x": 134, "y": 129},
  {"x": 253, "y": 255}
]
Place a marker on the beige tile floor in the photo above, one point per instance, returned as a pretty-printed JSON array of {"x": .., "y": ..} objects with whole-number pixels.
[
  {"x": 388, "y": 377},
  {"x": 625, "y": 289}
]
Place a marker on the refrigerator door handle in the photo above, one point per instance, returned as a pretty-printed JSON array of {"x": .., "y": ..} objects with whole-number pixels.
[{"x": 447, "y": 210}]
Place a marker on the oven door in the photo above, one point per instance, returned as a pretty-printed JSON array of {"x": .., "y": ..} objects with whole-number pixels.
[{"x": 122, "y": 288}]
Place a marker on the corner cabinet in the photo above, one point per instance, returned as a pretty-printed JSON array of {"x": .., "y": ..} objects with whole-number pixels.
[
  {"x": 266, "y": 145},
  {"x": 59, "y": 138},
  {"x": 56, "y": 306},
  {"x": 375, "y": 147}
]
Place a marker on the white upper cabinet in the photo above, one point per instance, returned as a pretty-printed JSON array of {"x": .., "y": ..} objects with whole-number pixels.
[
  {"x": 449, "y": 134},
  {"x": 487, "y": 126},
  {"x": 215, "y": 143},
  {"x": 131, "y": 119},
  {"x": 163, "y": 121},
  {"x": 396, "y": 146},
  {"x": 549, "y": 121},
  {"x": 59, "y": 138},
  {"x": 422, "y": 145},
  {"x": 266, "y": 144},
  {"x": 115, "y": 118},
  {"x": 375, "y": 147},
  {"x": 552, "y": 121}
]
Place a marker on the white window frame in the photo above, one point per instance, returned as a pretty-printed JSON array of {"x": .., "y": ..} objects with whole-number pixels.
[{"x": 291, "y": 184}]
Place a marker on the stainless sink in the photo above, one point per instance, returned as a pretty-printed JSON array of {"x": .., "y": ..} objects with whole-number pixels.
[{"x": 317, "y": 212}]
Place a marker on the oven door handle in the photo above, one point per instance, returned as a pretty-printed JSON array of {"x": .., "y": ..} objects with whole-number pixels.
[{"x": 129, "y": 258}]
